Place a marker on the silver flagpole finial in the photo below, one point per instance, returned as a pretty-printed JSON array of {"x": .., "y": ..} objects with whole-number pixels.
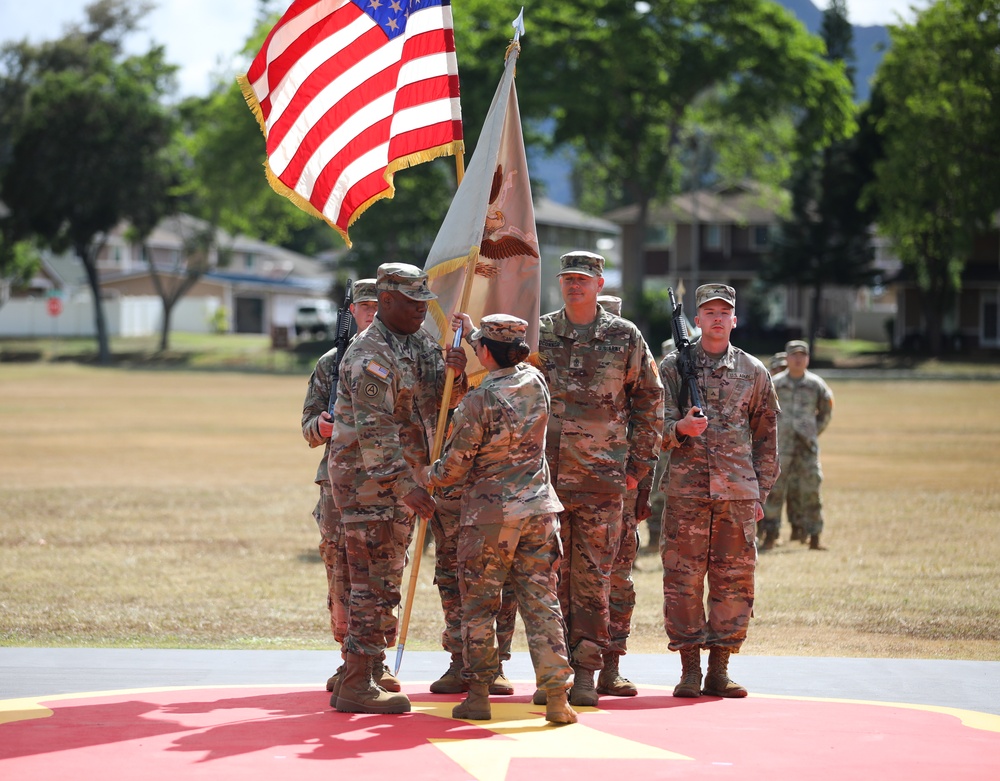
[{"x": 518, "y": 25}]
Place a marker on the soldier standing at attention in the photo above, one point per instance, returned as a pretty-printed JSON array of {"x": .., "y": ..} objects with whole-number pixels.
[
  {"x": 603, "y": 437},
  {"x": 391, "y": 382},
  {"x": 621, "y": 597},
  {"x": 721, "y": 468},
  {"x": 509, "y": 528},
  {"x": 317, "y": 426},
  {"x": 806, "y": 408}
]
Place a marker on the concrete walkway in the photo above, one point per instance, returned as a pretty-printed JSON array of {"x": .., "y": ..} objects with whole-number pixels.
[{"x": 34, "y": 672}]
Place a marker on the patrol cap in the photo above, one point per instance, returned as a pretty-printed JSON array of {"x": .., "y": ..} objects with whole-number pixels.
[
  {"x": 612, "y": 303},
  {"x": 707, "y": 293},
  {"x": 500, "y": 328},
  {"x": 363, "y": 290},
  {"x": 590, "y": 264},
  {"x": 797, "y": 346},
  {"x": 406, "y": 279},
  {"x": 779, "y": 360}
]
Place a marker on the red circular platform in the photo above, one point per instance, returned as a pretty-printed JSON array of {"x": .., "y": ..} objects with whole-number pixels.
[{"x": 291, "y": 733}]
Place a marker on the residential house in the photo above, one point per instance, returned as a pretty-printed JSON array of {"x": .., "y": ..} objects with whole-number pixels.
[
  {"x": 255, "y": 285},
  {"x": 562, "y": 229},
  {"x": 975, "y": 319},
  {"x": 723, "y": 235}
]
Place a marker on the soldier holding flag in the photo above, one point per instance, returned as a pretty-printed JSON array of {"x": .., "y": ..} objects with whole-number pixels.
[{"x": 391, "y": 381}]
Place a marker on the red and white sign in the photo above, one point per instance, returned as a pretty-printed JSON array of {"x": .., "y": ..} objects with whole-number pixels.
[{"x": 54, "y": 305}]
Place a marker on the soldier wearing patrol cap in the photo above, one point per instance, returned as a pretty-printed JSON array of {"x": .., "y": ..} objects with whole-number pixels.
[
  {"x": 779, "y": 362},
  {"x": 391, "y": 381},
  {"x": 611, "y": 303},
  {"x": 495, "y": 456},
  {"x": 806, "y": 409},
  {"x": 621, "y": 595},
  {"x": 317, "y": 426},
  {"x": 603, "y": 437},
  {"x": 723, "y": 462}
]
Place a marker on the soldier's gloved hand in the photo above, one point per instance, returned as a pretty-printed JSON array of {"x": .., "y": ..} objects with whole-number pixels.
[
  {"x": 421, "y": 502},
  {"x": 642, "y": 508}
]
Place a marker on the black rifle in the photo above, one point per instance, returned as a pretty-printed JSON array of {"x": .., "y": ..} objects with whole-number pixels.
[
  {"x": 685, "y": 357},
  {"x": 344, "y": 322}
]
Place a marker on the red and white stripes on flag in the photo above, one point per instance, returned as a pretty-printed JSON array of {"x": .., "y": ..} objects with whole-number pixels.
[{"x": 347, "y": 92}]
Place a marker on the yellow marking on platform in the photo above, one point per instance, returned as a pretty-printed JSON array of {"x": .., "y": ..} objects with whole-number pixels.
[{"x": 520, "y": 731}]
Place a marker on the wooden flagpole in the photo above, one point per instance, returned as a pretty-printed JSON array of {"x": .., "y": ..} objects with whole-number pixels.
[{"x": 439, "y": 431}]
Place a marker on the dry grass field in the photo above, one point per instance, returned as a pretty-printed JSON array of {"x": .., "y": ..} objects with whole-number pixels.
[{"x": 173, "y": 509}]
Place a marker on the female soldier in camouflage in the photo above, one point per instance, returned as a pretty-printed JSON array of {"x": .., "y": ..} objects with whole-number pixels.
[{"x": 496, "y": 454}]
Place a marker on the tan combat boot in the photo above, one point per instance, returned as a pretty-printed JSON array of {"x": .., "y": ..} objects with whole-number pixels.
[
  {"x": 611, "y": 682},
  {"x": 451, "y": 682},
  {"x": 477, "y": 704},
  {"x": 360, "y": 694},
  {"x": 384, "y": 677},
  {"x": 717, "y": 682},
  {"x": 331, "y": 682},
  {"x": 583, "y": 693},
  {"x": 540, "y": 697},
  {"x": 557, "y": 708},
  {"x": 501, "y": 685},
  {"x": 690, "y": 683}
]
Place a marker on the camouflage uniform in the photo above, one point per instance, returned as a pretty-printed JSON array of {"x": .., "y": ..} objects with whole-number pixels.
[
  {"x": 656, "y": 497},
  {"x": 806, "y": 409},
  {"x": 385, "y": 415},
  {"x": 712, "y": 484},
  {"x": 445, "y": 527},
  {"x": 509, "y": 527},
  {"x": 621, "y": 588},
  {"x": 327, "y": 516},
  {"x": 603, "y": 380}
]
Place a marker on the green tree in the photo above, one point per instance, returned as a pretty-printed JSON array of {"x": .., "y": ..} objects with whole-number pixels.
[
  {"x": 624, "y": 81},
  {"x": 88, "y": 143},
  {"x": 938, "y": 183},
  {"x": 18, "y": 261},
  {"x": 825, "y": 242}
]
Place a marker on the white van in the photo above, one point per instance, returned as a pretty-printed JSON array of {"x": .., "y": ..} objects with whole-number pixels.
[{"x": 316, "y": 318}]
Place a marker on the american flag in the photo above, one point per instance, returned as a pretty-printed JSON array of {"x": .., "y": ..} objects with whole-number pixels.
[{"x": 347, "y": 92}]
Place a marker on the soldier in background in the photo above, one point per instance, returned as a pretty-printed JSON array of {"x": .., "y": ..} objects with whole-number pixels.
[
  {"x": 621, "y": 597},
  {"x": 445, "y": 528},
  {"x": 509, "y": 529},
  {"x": 656, "y": 497},
  {"x": 806, "y": 408},
  {"x": 779, "y": 362},
  {"x": 722, "y": 466},
  {"x": 317, "y": 426},
  {"x": 391, "y": 382},
  {"x": 603, "y": 383}
]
